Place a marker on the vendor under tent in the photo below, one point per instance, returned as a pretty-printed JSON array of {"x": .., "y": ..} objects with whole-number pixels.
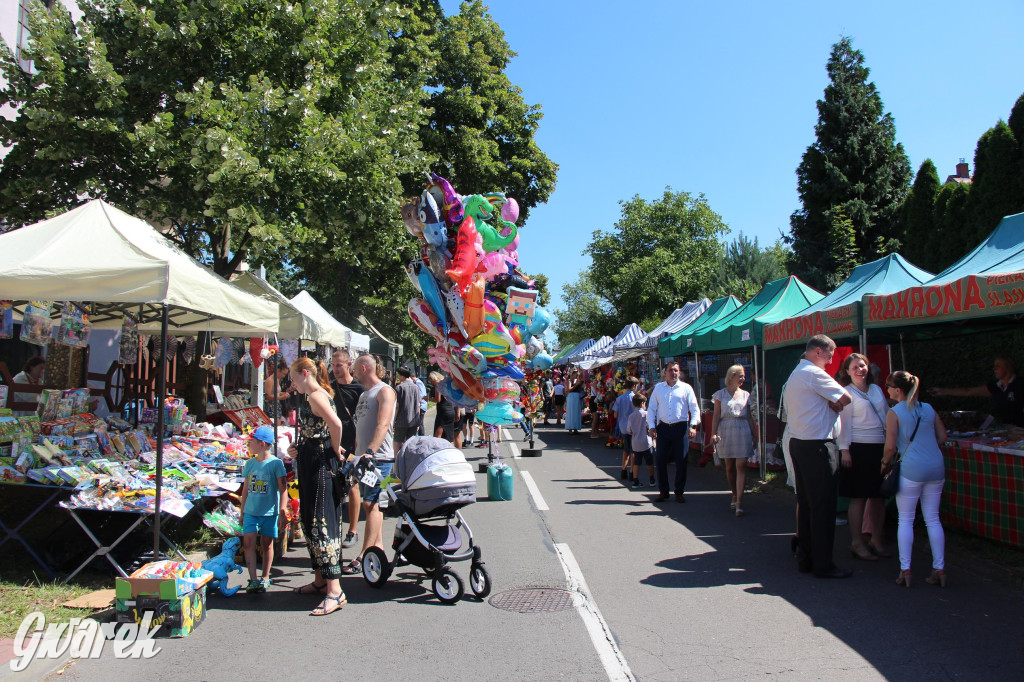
[
  {"x": 681, "y": 342},
  {"x": 136, "y": 270},
  {"x": 982, "y": 292}
]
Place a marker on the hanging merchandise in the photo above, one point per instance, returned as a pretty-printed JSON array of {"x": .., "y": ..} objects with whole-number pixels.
[
  {"x": 190, "y": 349},
  {"x": 238, "y": 352},
  {"x": 144, "y": 346},
  {"x": 290, "y": 350},
  {"x": 172, "y": 347},
  {"x": 255, "y": 350},
  {"x": 6, "y": 319},
  {"x": 36, "y": 326},
  {"x": 158, "y": 348},
  {"x": 224, "y": 352},
  {"x": 128, "y": 349}
]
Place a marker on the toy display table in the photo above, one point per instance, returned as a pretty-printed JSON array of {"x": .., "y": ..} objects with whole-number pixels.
[{"x": 143, "y": 517}]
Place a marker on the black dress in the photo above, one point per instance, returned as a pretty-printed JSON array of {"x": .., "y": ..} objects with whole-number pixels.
[
  {"x": 444, "y": 418},
  {"x": 320, "y": 493}
]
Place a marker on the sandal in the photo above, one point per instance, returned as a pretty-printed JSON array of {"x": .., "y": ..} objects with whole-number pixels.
[
  {"x": 354, "y": 567},
  {"x": 339, "y": 601},
  {"x": 311, "y": 588}
]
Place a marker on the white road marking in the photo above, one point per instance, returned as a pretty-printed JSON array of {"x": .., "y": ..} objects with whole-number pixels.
[
  {"x": 515, "y": 450},
  {"x": 538, "y": 499},
  {"x": 614, "y": 662},
  {"x": 504, "y": 434}
]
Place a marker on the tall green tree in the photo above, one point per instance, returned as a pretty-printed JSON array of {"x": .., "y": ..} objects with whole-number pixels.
[
  {"x": 1016, "y": 121},
  {"x": 951, "y": 216},
  {"x": 855, "y": 168},
  {"x": 481, "y": 131},
  {"x": 658, "y": 255},
  {"x": 919, "y": 220},
  {"x": 997, "y": 188},
  {"x": 745, "y": 268}
]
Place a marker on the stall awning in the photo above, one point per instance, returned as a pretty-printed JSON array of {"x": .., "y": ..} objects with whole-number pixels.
[
  {"x": 576, "y": 350},
  {"x": 333, "y": 333},
  {"x": 985, "y": 285},
  {"x": 679, "y": 318},
  {"x": 839, "y": 314},
  {"x": 99, "y": 254},
  {"x": 294, "y": 324},
  {"x": 682, "y": 341}
]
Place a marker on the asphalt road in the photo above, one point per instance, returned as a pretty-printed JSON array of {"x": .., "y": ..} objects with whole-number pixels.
[{"x": 668, "y": 592}]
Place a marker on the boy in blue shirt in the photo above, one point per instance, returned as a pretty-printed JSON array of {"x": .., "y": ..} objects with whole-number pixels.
[
  {"x": 264, "y": 499},
  {"x": 622, "y": 409}
]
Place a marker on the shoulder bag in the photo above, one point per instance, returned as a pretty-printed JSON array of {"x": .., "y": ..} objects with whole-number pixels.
[{"x": 891, "y": 482}]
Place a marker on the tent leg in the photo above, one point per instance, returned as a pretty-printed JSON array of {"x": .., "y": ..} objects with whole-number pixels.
[
  {"x": 759, "y": 391},
  {"x": 161, "y": 389},
  {"x": 903, "y": 354}
]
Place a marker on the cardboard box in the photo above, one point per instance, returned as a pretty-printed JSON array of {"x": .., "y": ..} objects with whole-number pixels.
[
  {"x": 177, "y": 617},
  {"x": 164, "y": 588}
]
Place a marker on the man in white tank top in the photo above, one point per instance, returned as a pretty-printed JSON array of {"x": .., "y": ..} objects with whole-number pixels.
[{"x": 374, "y": 417}]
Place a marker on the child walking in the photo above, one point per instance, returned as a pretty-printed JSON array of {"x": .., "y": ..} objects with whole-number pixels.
[
  {"x": 264, "y": 500},
  {"x": 642, "y": 443}
]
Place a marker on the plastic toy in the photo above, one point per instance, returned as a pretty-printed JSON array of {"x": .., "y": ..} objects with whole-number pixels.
[{"x": 221, "y": 565}]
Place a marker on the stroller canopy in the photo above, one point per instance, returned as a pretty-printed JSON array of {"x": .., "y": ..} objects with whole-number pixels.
[{"x": 435, "y": 476}]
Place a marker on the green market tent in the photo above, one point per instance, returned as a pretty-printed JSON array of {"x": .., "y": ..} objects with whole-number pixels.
[
  {"x": 982, "y": 290},
  {"x": 682, "y": 341},
  {"x": 839, "y": 314}
]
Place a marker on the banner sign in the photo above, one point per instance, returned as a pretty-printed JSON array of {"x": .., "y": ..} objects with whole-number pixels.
[
  {"x": 834, "y": 322},
  {"x": 967, "y": 297}
]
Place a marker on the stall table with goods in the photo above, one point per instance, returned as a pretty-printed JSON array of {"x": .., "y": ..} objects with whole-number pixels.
[
  {"x": 984, "y": 491},
  {"x": 104, "y": 467}
]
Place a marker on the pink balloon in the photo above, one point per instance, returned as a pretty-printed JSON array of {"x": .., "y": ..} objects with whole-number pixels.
[{"x": 510, "y": 210}]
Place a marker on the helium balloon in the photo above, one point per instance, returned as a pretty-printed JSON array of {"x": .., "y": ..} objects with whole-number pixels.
[
  {"x": 474, "y": 300},
  {"x": 542, "y": 360},
  {"x": 510, "y": 210},
  {"x": 540, "y": 322},
  {"x": 412, "y": 271},
  {"x": 432, "y": 295},
  {"x": 456, "y": 395},
  {"x": 464, "y": 262},
  {"x": 452, "y": 203},
  {"x": 456, "y": 309},
  {"x": 422, "y": 317},
  {"x": 433, "y": 224},
  {"x": 411, "y": 218}
]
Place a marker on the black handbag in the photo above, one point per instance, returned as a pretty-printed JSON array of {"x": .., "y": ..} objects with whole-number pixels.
[{"x": 891, "y": 482}]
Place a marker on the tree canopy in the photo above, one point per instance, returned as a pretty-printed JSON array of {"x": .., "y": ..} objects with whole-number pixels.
[
  {"x": 855, "y": 169},
  {"x": 286, "y": 133},
  {"x": 745, "y": 268},
  {"x": 659, "y": 255}
]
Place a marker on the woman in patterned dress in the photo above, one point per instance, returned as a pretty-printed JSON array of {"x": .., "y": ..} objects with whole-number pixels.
[
  {"x": 318, "y": 459},
  {"x": 733, "y": 432}
]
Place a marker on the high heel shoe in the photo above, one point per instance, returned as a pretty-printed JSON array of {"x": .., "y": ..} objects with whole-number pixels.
[
  {"x": 904, "y": 578},
  {"x": 938, "y": 577}
]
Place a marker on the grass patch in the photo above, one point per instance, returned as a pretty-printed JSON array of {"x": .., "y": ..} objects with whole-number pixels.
[
  {"x": 21, "y": 595},
  {"x": 773, "y": 481}
]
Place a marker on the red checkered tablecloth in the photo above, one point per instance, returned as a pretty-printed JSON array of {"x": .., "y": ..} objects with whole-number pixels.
[{"x": 985, "y": 494}]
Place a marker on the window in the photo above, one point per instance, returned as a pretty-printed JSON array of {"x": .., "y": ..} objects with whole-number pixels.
[{"x": 23, "y": 32}]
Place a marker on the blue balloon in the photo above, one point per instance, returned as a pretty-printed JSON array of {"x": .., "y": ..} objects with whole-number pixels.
[
  {"x": 432, "y": 295},
  {"x": 511, "y": 370},
  {"x": 540, "y": 322},
  {"x": 542, "y": 360}
]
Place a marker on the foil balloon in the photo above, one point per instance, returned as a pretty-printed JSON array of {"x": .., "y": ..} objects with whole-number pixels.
[
  {"x": 540, "y": 322},
  {"x": 474, "y": 303},
  {"x": 494, "y": 341},
  {"x": 521, "y": 305},
  {"x": 470, "y": 359},
  {"x": 499, "y": 394},
  {"x": 412, "y": 272},
  {"x": 433, "y": 224},
  {"x": 492, "y": 265},
  {"x": 481, "y": 210},
  {"x": 464, "y": 263},
  {"x": 511, "y": 371},
  {"x": 432, "y": 295},
  {"x": 438, "y": 263},
  {"x": 424, "y": 318},
  {"x": 510, "y": 210},
  {"x": 453, "y": 212},
  {"x": 411, "y": 218},
  {"x": 542, "y": 360},
  {"x": 438, "y": 355},
  {"x": 467, "y": 382},
  {"x": 450, "y": 390},
  {"x": 456, "y": 310}
]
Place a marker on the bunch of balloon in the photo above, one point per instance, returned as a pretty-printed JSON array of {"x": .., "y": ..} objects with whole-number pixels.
[{"x": 474, "y": 301}]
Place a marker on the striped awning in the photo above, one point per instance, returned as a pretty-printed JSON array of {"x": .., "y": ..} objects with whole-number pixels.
[{"x": 679, "y": 318}]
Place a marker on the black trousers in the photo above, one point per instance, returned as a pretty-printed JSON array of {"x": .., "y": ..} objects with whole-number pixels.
[
  {"x": 816, "y": 495},
  {"x": 674, "y": 440}
]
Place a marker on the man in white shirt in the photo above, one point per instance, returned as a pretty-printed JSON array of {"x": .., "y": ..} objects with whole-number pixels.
[
  {"x": 813, "y": 401},
  {"x": 672, "y": 407}
]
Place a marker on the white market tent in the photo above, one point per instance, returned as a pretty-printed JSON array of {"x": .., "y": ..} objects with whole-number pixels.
[
  {"x": 99, "y": 254},
  {"x": 334, "y": 333},
  {"x": 601, "y": 348},
  {"x": 576, "y": 350},
  {"x": 679, "y": 318},
  {"x": 295, "y": 324},
  {"x": 631, "y": 333}
]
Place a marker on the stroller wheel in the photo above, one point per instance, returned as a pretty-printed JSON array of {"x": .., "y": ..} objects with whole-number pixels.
[
  {"x": 479, "y": 581},
  {"x": 448, "y": 586},
  {"x": 376, "y": 569}
]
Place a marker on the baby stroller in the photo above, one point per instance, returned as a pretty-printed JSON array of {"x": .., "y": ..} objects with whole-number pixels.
[{"x": 434, "y": 482}]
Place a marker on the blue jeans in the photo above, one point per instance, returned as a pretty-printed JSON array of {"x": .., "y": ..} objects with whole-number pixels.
[
  {"x": 372, "y": 495},
  {"x": 674, "y": 441}
]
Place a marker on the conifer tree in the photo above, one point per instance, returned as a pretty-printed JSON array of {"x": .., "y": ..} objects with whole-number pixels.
[
  {"x": 854, "y": 168},
  {"x": 918, "y": 217},
  {"x": 998, "y": 184}
]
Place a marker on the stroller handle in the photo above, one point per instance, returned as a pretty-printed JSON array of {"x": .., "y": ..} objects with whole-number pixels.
[{"x": 360, "y": 464}]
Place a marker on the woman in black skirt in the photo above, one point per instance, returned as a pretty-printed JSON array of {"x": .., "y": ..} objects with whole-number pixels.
[
  {"x": 861, "y": 444},
  {"x": 318, "y": 460},
  {"x": 444, "y": 419}
]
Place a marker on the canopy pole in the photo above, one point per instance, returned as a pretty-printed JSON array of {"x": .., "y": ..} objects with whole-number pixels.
[
  {"x": 277, "y": 404},
  {"x": 697, "y": 377},
  {"x": 759, "y": 390},
  {"x": 161, "y": 389},
  {"x": 864, "y": 342},
  {"x": 903, "y": 354}
]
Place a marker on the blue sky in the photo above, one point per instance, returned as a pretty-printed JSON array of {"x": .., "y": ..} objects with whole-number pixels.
[{"x": 719, "y": 98}]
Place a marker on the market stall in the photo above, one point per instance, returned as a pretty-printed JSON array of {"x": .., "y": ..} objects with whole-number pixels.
[
  {"x": 140, "y": 275},
  {"x": 982, "y": 292}
]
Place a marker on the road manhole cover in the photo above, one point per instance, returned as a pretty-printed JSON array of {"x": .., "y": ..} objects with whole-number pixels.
[{"x": 533, "y": 600}]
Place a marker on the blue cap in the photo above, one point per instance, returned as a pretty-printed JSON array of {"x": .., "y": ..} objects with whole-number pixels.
[{"x": 264, "y": 433}]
